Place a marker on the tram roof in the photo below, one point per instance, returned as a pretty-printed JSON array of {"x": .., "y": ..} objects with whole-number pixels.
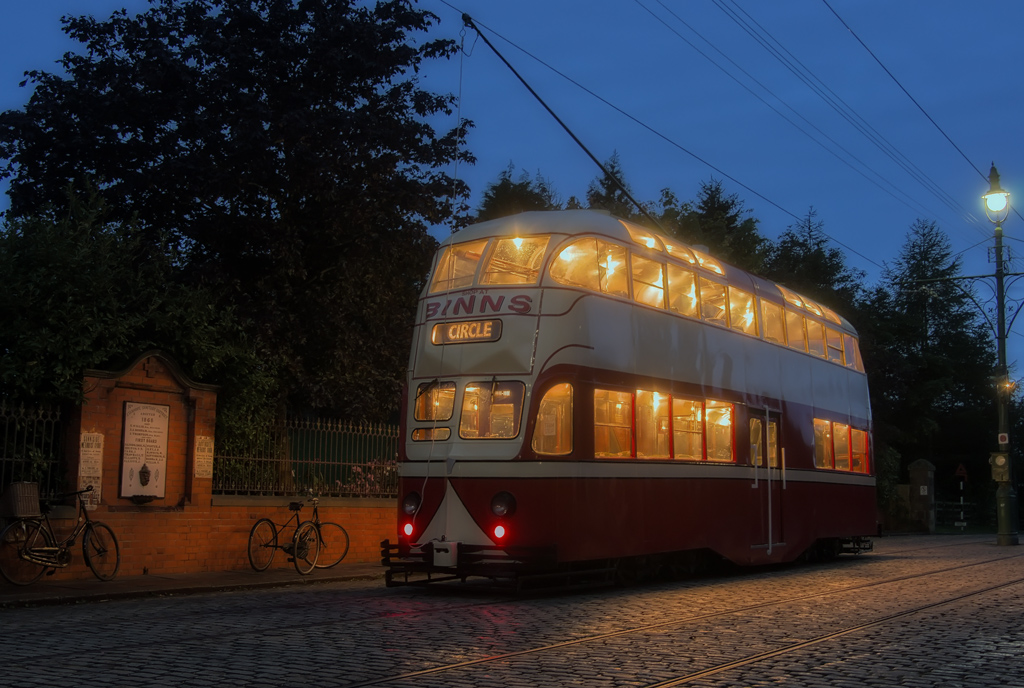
[{"x": 603, "y": 223}]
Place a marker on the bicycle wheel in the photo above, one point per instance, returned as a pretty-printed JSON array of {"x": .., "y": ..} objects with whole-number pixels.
[
  {"x": 13, "y": 541},
  {"x": 333, "y": 545},
  {"x": 262, "y": 544},
  {"x": 305, "y": 547},
  {"x": 101, "y": 551}
]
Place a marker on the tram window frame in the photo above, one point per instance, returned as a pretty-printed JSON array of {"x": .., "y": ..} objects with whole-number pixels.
[
  {"x": 456, "y": 260},
  {"x": 642, "y": 237},
  {"x": 859, "y": 448},
  {"x": 851, "y": 352},
  {"x": 834, "y": 345},
  {"x": 616, "y": 426},
  {"x": 714, "y": 302},
  {"x": 554, "y": 420},
  {"x": 652, "y": 427},
  {"x": 743, "y": 311},
  {"x": 477, "y": 424},
  {"x": 823, "y": 457},
  {"x": 841, "y": 446},
  {"x": 432, "y": 401},
  {"x": 611, "y": 279},
  {"x": 815, "y": 338},
  {"x": 683, "y": 296},
  {"x": 796, "y": 325},
  {"x": 773, "y": 322},
  {"x": 679, "y": 252},
  {"x": 502, "y": 255},
  {"x": 644, "y": 290},
  {"x": 719, "y": 446},
  {"x": 591, "y": 263},
  {"x": 755, "y": 427},
  {"x": 662, "y": 426},
  {"x": 688, "y": 427}
]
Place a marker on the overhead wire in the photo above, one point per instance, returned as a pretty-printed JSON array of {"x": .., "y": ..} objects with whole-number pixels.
[
  {"x": 846, "y": 161},
  {"x": 775, "y": 48},
  {"x": 912, "y": 99},
  {"x": 637, "y": 121}
]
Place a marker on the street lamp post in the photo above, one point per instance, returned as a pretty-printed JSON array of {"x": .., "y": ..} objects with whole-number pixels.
[{"x": 997, "y": 207}]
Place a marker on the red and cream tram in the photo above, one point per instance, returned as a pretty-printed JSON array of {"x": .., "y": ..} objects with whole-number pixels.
[{"x": 584, "y": 392}]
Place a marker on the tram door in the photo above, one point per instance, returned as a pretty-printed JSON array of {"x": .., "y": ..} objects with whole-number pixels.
[{"x": 769, "y": 477}]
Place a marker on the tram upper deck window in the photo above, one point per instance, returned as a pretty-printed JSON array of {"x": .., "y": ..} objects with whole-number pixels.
[
  {"x": 456, "y": 267},
  {"x": 742, "y": 311},
  {"x": 593, "y": 264},
  {"x": 834, "y": 345},
  {"x": 679, "y": 252},
  {"x": 815, "y": 337},
  {"x": 515, "y": 261},
  {"x": 708, "y": 263},
  {"x": 682, "y": 291},
  {"x": 648, "y": 282},
  {"x": 642, "y": 236},
  {"x": 852, "y": 352},
  {"x": 713, "y": 302},
  {"x": 774, "y": 323},
  {"x": 491, "y": 410},
  {"x": 791, "y": 297},
  {"x": 552, "y": 433},
  {"x": 795, "y": 332},
  {"x": 434, "y": 401}
]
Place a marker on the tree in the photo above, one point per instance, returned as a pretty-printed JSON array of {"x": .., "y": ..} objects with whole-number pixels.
[
  {"x": 509, "y": 197},
  {"x": 282, "y": 146},
  {"x": 929, "y": 360},
  {"x": 83, "y": 292},
  {"x": 717, "y": 221},
  {"x": 610, "y": 192},
  {"x": 803, "y": 260}
]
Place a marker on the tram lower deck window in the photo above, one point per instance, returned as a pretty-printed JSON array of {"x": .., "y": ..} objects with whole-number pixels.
[
  {"x": 552, "y": 433},
  {"x": 840, "y": 447},
  {"x": 652, "y": 425},
  {"x": 491, "y": 410}
]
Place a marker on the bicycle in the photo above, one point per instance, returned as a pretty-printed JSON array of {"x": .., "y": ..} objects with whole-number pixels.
[
  {"x": 331, "y": 540},
  {"x": 29, "y": 546}
]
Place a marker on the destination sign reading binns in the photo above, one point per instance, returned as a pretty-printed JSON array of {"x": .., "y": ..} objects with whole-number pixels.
[{"x": 467, "y": 331}]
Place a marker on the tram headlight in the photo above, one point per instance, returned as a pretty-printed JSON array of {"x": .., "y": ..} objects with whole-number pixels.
[
  {"x": 503, "y": 504},
  {"x": 411, "y": 503}
]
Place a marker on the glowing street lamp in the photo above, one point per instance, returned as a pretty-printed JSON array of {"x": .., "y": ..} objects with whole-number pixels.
[
  {"x": 997, "y": 207},
  {"x": 997, "y": 200}
]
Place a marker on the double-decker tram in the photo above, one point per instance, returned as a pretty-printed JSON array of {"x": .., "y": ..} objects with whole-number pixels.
[{"x": 584, "y": 394}]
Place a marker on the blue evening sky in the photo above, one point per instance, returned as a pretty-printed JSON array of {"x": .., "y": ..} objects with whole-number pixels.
[{"x": 687, "y": 90}]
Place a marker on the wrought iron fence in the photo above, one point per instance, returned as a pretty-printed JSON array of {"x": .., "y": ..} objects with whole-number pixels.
[
  {"x": 329, "y": 457},
  {"x": 31, "y": 448}
]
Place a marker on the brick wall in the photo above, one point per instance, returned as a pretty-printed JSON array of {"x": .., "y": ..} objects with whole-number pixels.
[
  {"x": 195, "y": 539},
  {"x": 185, "y": 528}
]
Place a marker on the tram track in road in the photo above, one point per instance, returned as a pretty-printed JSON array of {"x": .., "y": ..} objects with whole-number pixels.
[
  {"x": 678, "y": 622},
  {"x": 795, "y": 647}
]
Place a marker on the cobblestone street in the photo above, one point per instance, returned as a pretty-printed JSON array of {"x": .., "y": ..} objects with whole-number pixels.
[{"x": 919, "y": 611}]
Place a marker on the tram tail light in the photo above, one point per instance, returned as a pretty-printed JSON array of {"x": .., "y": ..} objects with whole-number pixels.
[
  {"x": 407, "y": 529},
  {"x": 499, "y": 532}
]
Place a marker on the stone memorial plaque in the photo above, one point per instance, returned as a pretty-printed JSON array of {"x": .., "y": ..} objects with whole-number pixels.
[
  {"x": 204, "y": 457},
  {"x": 144, "y": 450}
]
